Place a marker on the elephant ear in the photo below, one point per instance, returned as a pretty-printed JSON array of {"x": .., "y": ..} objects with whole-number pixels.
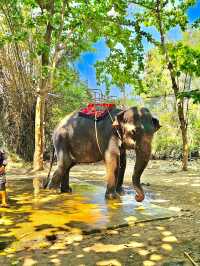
[
  {"x": 118, "y": 119},
  {"x": 147, "y": 122},
  {"x": 156, "y": 124}
]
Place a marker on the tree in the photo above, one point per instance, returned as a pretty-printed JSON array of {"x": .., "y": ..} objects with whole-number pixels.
[
  {"x": 53, "y": 29},
  {"x": 16, "y": 87},
  {"x": 162, "y": 16}
]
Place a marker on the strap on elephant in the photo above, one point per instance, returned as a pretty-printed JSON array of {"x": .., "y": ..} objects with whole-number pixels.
[{"x": 96, "y": 133}]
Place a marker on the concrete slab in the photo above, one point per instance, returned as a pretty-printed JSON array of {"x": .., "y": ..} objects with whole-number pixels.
[{"x": 85, "y": 211}]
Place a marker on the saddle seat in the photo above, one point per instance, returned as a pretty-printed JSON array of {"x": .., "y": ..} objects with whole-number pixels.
[{"x": 96, "y": 110}]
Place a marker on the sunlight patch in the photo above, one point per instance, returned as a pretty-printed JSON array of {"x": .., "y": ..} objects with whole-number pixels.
[
  {"x": 109, "y": 263},
  {"x": 100, "y": 247},
  {"x": 171, "y": 239}
]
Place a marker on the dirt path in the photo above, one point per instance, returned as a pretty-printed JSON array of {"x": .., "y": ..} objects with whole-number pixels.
[{"x": 161, "y": 242}]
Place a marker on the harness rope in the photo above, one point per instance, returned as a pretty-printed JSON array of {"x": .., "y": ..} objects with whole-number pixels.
[
  {"x": 116, "y": 128},
  {"x": 96, "y": 133}
]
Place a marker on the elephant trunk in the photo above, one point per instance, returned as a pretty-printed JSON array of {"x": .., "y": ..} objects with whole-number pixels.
[
  {"x": 138, "y": 170},
  {"x": 143, "y": 152},
  {"x": 139, "y": 191}
]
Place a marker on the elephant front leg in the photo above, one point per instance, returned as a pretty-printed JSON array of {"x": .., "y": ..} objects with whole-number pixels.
[
  {"x": 111, "y": 162},
  {"x": 122, "y": 168}
]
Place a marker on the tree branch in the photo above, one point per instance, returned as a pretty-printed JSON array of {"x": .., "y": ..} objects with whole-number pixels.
[{"x": 141, "y": 4}]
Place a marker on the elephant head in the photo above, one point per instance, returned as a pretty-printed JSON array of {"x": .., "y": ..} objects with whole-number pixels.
[{"x": 137, "y": 128}]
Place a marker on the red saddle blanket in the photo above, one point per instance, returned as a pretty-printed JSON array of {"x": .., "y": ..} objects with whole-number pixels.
[{"x": 98, "y": 110}]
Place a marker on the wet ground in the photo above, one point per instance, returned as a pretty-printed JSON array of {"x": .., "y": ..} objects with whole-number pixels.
[{"x": 84, "y": 229}]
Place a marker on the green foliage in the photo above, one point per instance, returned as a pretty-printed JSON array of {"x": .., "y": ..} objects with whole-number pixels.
[
  {"x": 70, "y": 93},
  {"x": 125, "y": 31},
  {"x": 156, "y": 79},
  {"x": 40, "y": 34},
  {"x": 193, "y": 94},
  {"x": 167, "y": 142},
  {"x": 194, "y": 129},
  {"x": 185, "y": 59}
]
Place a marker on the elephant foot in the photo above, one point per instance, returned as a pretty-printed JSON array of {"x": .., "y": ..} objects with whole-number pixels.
[
  {"x": 112, "y": 195},
  {"x": 66, "y": 189},
  {"x": 54, "y": 183},
  {"x": 120, "y": 191},
  {"x": 52, "y": 186}
]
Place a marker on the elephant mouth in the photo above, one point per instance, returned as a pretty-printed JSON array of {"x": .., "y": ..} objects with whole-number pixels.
[{"x": 129, "y": 143}]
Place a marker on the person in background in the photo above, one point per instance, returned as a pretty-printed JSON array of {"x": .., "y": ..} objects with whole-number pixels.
[{"x": 3, "y": 163}]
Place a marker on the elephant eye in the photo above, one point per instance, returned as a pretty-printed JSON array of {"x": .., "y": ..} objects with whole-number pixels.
[{"x": 133, "y": 133}]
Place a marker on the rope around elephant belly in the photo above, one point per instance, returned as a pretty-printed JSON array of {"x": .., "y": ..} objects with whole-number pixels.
[{"x": 96, "y": 133}]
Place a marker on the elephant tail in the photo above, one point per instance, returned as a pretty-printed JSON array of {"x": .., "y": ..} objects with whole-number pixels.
[{"x": 51, "y": 164}]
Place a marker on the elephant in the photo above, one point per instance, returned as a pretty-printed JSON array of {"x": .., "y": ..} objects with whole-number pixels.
[{"x": 79, "y": 139}]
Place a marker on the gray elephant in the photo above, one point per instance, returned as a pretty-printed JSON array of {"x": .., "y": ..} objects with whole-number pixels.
[{"x": 78, "y": 140}]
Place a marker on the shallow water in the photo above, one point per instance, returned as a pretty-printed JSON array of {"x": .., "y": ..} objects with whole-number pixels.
[{"x": 32, "y": 219}]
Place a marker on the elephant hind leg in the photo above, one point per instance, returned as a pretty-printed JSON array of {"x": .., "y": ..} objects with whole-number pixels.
[
  {"x": 65, "y": 188},
  {"x": 60, "y": 177},
  {"x": 56, "y": 178}
]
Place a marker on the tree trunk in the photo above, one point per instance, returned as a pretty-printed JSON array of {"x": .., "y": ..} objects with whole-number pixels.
[
  {"x": 183, "y": 127},
  {"x": 40, "y": 105},
  {"x": 39, "y": 133},
  {"x": 182, "y": 119},
  {"x": 175, "y": 87},
  {"x": 185, "y": 149}
]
